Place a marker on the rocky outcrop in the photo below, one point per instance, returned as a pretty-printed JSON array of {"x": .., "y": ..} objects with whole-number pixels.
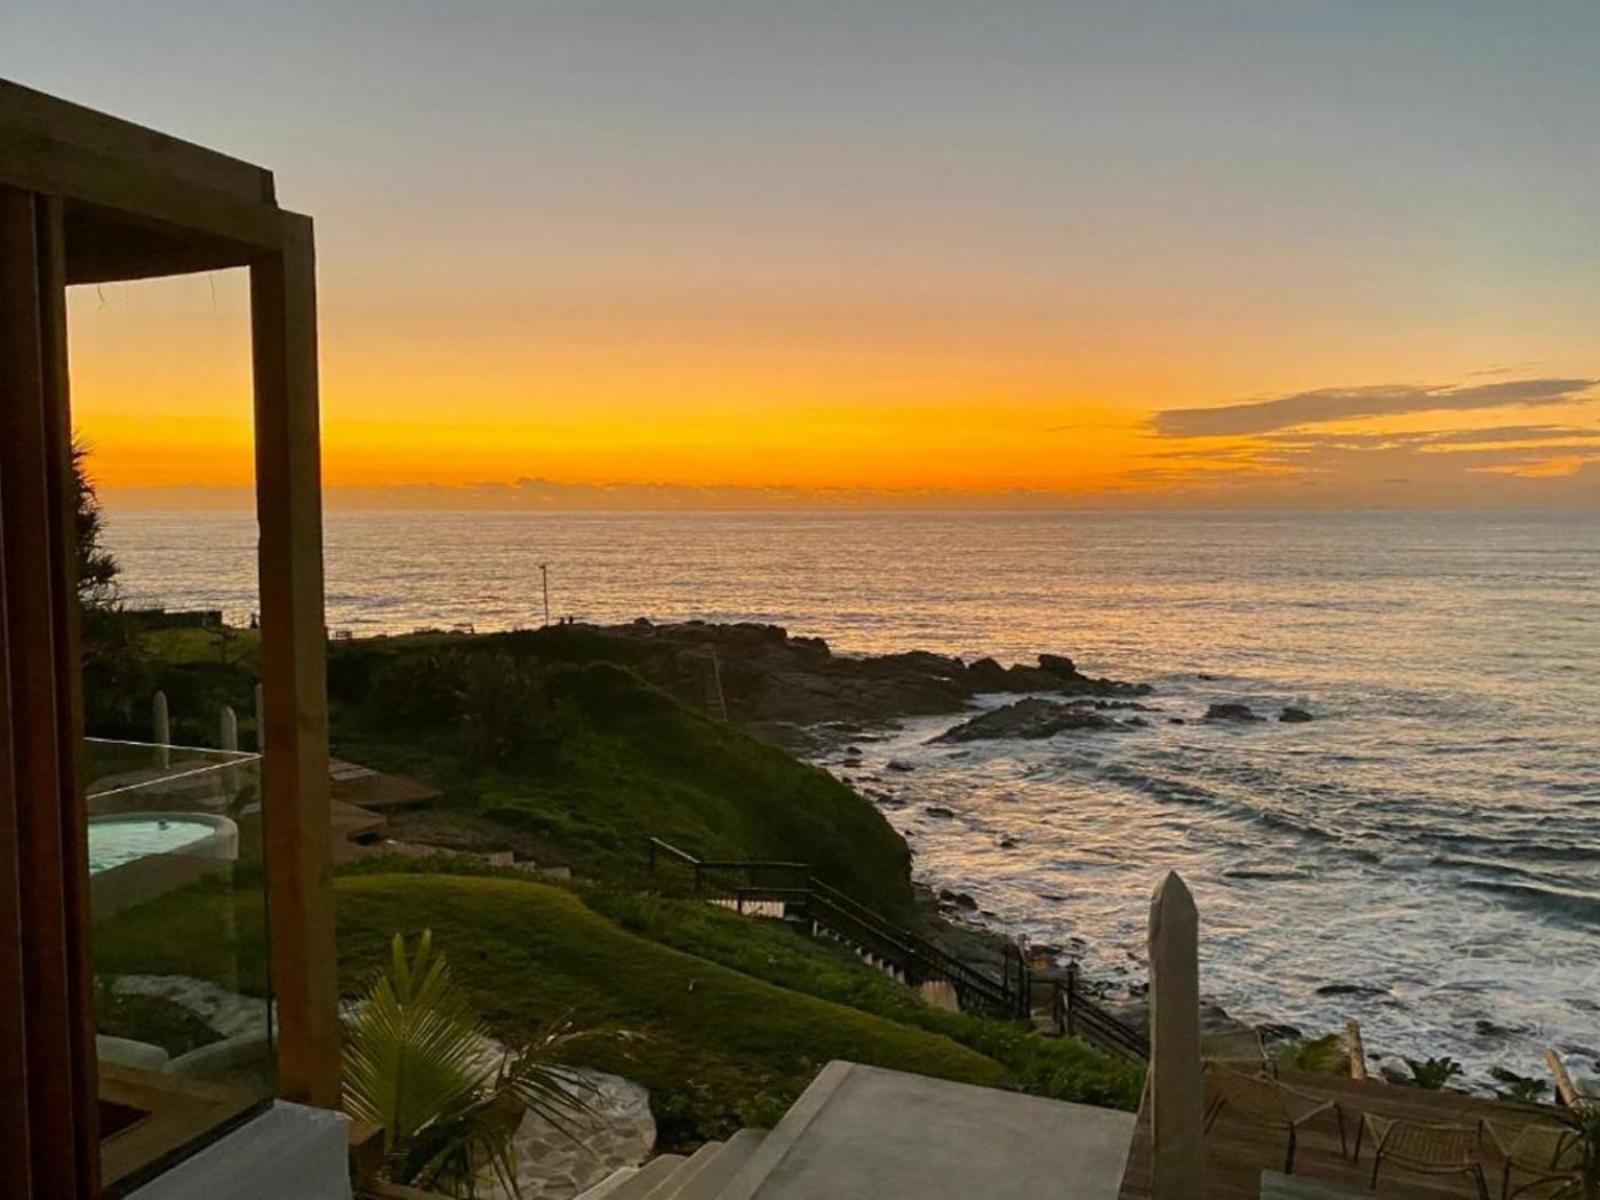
[
  {"x": 1231, "y": 712},
  {"x": 768, "y": 678},
  {"x": 1031, "y": 718},
  {"x": 1294, "y": 716}
]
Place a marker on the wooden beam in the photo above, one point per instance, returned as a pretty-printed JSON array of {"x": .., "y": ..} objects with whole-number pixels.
[
  {"x": 34, "y": 610},
  {"x": 48, "y": 165},
  {"x": 15, "y": 1144},
  {"x": 74, "y": 808},
  {"x": 110, "y": 247},
  {"x": 28, "y": 113},
  {"x": 296, "y": 814}
]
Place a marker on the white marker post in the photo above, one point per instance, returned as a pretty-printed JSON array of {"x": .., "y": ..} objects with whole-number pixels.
[
  {"x": 228, "y": 738},
  {"x": 1177, "y": 1081},
  {"x": 161, "y": 729}
]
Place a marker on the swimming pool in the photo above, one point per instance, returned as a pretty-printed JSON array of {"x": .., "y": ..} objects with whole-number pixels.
[{"x": 119, "y": 840}]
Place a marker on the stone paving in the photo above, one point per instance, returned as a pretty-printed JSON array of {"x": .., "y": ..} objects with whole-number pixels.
[
  {"x": 621, "y": 1133},
  {"x": 551, "y": 1165},
  {"x": 227, "y": 1012}
]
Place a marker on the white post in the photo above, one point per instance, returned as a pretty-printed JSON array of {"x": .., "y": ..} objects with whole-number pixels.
[
  {"x": 1355, "y": 1049},
  {"x": 228, "y": 738},
  {"x": 1176, "y": 1081},
  {"x": 161, "y": 728}
]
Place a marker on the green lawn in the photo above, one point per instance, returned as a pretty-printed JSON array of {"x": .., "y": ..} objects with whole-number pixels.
[
  {"x": 616, "y": 762},
  {"x": 610, "y": 762},
  {"x": 725, "y": 1019}
]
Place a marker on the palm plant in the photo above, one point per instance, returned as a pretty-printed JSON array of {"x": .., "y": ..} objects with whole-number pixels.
[
  {"x": 1433, "y": 1073},
  {"x": 420, "y": 1064}
]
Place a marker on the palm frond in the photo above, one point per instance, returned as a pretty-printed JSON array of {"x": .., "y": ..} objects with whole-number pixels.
[{"x": 420, "y": 1064}]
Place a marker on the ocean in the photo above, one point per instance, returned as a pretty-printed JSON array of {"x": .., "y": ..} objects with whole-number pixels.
[{"x": 1424, "y": 856}]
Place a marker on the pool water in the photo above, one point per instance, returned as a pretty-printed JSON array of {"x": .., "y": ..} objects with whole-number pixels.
[{"x": 114, "y": 841}]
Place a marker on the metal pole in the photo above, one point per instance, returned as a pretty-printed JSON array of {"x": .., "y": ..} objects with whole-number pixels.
[{"x": 544, "y": 575}]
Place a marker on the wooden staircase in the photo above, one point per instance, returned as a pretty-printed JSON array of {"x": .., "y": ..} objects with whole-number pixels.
[{"x": 791, "y": 891}]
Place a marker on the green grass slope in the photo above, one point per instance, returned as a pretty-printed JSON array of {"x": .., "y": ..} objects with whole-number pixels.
[
  {"x": 717, "y": 1047},
  {"x": 1061, "y": 1068},
  {"x": 607, "y": 761},
  {"x": 551, "y": 738}
]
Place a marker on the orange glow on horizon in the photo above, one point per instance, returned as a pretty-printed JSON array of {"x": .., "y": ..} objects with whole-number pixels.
[{"x": 162, "y": 384}]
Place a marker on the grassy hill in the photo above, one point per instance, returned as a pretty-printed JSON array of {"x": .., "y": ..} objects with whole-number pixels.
[
  {"x": 550, "y": 741},
  {"x": 591, "y": 760},
  {"x": 716, "y": 1046}
]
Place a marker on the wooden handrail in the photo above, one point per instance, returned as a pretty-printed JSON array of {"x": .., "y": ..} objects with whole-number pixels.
[{"x": 831, "y": 908}]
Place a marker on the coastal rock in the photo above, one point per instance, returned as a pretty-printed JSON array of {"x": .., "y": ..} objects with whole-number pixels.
[
  {"x": 896, "y": 764},
  {"x": 1031, "y": 718},
  {"x": 1364, "y": 990},
  {"x": 1058, "y": 664},
  {"x": 961, "y": 900},
  {"x": 784, "y": 686},
  {"x": 1231, "y": 712},
  {"x": 986, "y": 675},
  {"x": 1292, "y": 715},
  {"x": 938, "y": 810}
]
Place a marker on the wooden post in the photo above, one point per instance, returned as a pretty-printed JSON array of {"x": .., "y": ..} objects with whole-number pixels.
[
  {"x": 42, "y": 817},
  {"x": 295, "y": 809},
  {"x": 161, "y": 728},
  {"x": 1566, "y": 1090},
  {"x": 261, "y": 723},
  {"x": 1355, "y": 1048},
  {"x": 1177, "y": 1083}
]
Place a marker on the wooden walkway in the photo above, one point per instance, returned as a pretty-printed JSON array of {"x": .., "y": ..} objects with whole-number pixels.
[{"x": 1238, "y": 1151}]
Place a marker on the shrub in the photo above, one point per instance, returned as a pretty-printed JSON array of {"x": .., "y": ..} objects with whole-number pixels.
[{"x": 1433, "y": 1073}]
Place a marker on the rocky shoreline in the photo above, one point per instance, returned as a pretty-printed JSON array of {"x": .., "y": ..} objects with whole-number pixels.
[{"x": 825, "y": 707}]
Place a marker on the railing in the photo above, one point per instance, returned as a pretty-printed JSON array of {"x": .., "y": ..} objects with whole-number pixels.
[
  {"x": 1076, "y": 1014},
  {"x": 915, "y": 959}
]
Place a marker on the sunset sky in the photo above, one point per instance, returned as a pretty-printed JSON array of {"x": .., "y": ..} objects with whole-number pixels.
[{"x": 896, "y": 251}]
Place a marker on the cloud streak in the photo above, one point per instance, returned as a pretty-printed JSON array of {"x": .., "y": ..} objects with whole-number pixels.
[{"x": 1323, "y": 405}]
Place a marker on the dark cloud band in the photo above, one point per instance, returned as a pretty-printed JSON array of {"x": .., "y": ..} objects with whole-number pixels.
[{"x": 1339, "y": 404}]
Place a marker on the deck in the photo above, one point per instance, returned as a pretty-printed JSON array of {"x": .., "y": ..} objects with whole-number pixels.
[{"x": 1239, "y": 1151}]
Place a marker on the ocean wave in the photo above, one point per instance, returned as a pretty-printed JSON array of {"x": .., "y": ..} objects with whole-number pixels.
[{"x": 1582, "y": 908}]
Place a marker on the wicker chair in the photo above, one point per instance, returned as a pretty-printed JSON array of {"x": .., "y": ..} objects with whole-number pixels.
[
  {"x": 1545, "y": 1152},
  {"x": 1263, "y": 1100},
  {"x": 1427, "y": 1149}
]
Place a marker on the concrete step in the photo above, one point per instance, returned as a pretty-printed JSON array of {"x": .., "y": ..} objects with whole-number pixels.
[
  {"x": 608, "y": 1186},
  {"x": 686, "y": 1171},
  {"x": 708, "y": 1183},
  {"x": 647, "y": 1178},
  {"x": 863, "y": 1133}
]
